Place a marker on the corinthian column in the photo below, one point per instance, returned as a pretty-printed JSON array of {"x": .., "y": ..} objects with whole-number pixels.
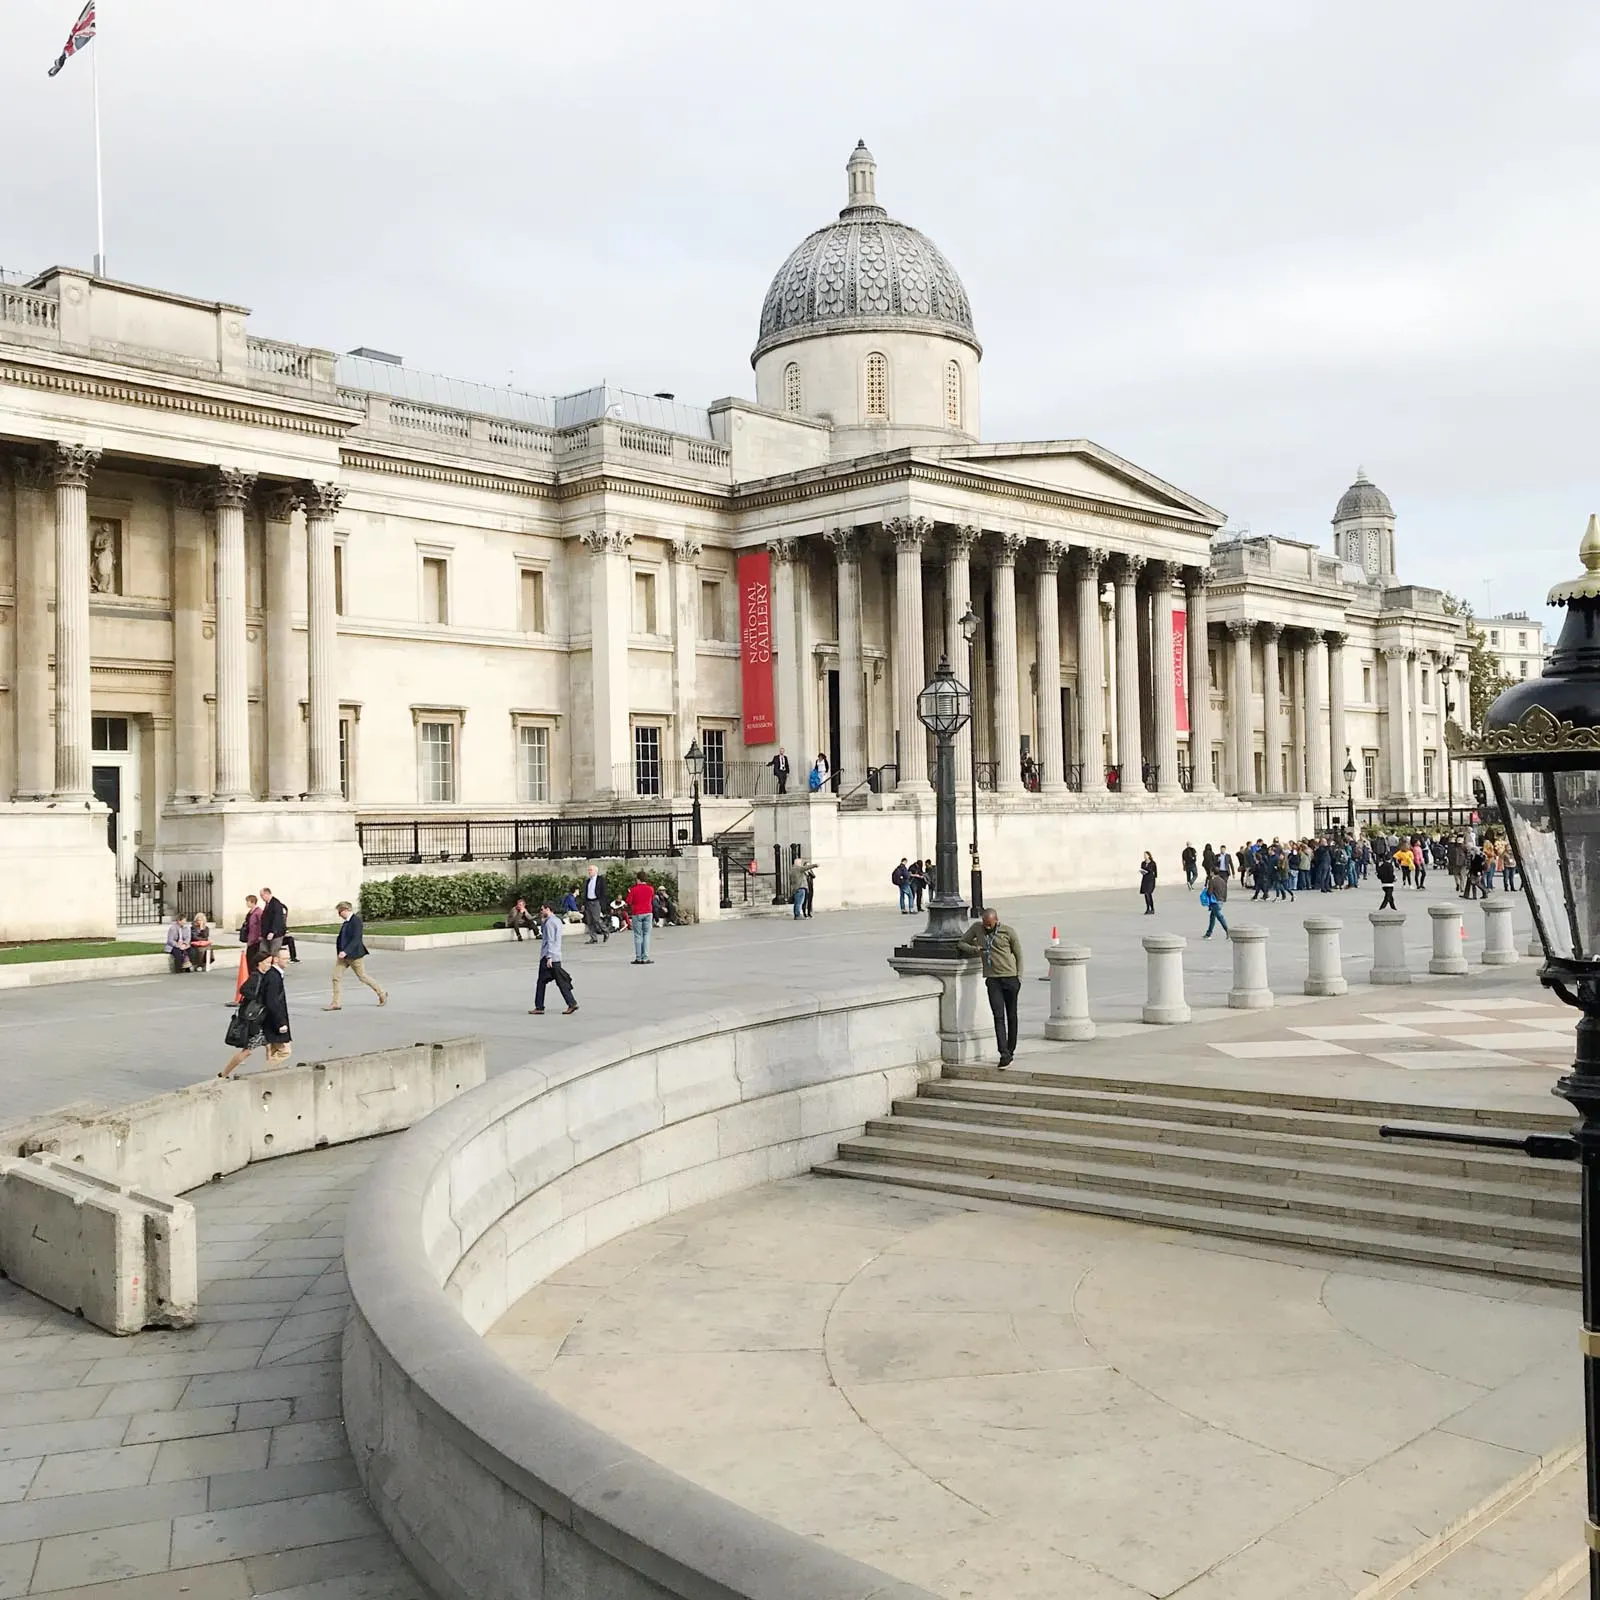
[
  {"x": 1337, "y": 752},
  {"x": 1394, "y": 672},
  {"x": 72, "y": 465},
  {"x": 1164, "y": 691},
  {"x": 1130, "y": 742},
  {"x": 1007, "y": 688},
  {"x": 1271, "y": 708},
  {"x": 609, "y": 599},
  {"x": 958, "y": 601},
  {"x": 1318, "y": 742},
  {"x": 909, "y": 668},
  {"x": 1091, "y": 674},
  {"x": 1194, "y": 594},
  {"x": 35, "y": 513},
  {"x": 230, "y": 493},
  {"x": 1244, "y": 742},
  {"x": 789, "y": 682},
  {"x": 322, "y": 502},
  {"x": 1414, "y": 724},
  {"x": 1047, "y": 610},
  {"x": 285, "y": 773},
  {"x": 846, "y": 543}
]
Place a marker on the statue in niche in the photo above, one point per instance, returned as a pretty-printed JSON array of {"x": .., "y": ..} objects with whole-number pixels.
[{"x": 105, "y": 557}]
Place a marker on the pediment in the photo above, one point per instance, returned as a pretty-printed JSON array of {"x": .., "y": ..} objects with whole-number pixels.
[{"x": 1078, "y": 466}]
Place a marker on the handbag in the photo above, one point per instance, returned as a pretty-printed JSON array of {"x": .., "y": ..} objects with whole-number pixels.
[
  {"x": 1207, "y": 900},
  {"x": 815, "y": 781},
  {"x": 238, "y": 1034}
]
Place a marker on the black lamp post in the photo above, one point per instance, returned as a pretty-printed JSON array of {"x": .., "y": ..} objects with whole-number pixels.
[
  {"x": 1349, "y": 791},
  {"x": 943, "y": 708},
  {"x": 1449, "y": 765},
  {"x": 1546, "y": 732},
  {"x": 694, "y": 759},
  {"x": 968, "y": 624}
]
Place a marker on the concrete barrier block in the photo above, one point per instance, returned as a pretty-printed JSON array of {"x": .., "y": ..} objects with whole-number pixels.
[
  {"x": 457, "y": 1066},
  {"x": 281, "y": 1119},
  {"x": 121, "y": 1259},
  {"x": 381, "y": 1092}
]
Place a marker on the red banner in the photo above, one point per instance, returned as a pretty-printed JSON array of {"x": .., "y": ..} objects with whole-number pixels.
[
  {"x": 755, "y": 647},
  {"x": 1180, "y": 667}
]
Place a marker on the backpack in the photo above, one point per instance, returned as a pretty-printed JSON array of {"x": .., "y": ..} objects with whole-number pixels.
[{"x": 815, "y": 780}]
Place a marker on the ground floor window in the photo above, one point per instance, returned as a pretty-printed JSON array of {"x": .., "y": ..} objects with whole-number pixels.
[
  {"x": 1369, "y": 774},
  {"x": 533, "y": 765},
  {"x": 108, "y": 733},
  {"x": 438, "y": 763},
  {"x": 346, "y": 732},
  {"x": 1216, "y": 767},
  {"x": 714, "y": 747},
  {"x": 1261, "y": 771},
  {"x": 646, "y": 760},
  {"x": 1427, "y": 772}
]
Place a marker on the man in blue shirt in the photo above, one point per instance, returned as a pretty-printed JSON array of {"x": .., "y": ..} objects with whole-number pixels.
[{"x": 550, "y": 968}]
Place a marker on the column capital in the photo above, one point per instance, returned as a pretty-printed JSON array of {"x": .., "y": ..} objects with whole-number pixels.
[
  {"x": 784, "y": 551},
  {"x": 962, "y": 538},
  {"x": 31, "y": 472},
  {"x": 1335, "y": 639},
  {"x": 278, "y": 502},
  {"x": 685, "y": 551},
  {"x": 72, "y": 464},
  {"x": 188, "y": 494},
  {"x": 1272, "y": 631},
  {"x": 844, "y": 542},
  {"x": 232, "y": 487},
  {"x": 1239, "y": 628},
  {"x": 1008, "y": 546},
  {"x": 606, "y": 541},
  {"x": 1394, "y": 652},
  {"x": 1128, "y": 568},
  {"x": 1197, "y": 578},
  {"x": 1088, "y": 559},
  {"x": 908, "y": 532},
  {"x": 1048, "y": 555},
  {"x": 321, "y": 499},
  {"x": 1162, "y": 574}
]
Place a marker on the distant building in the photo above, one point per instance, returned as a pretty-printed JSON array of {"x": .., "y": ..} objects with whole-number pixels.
[{"x": 1516, "y": 642}]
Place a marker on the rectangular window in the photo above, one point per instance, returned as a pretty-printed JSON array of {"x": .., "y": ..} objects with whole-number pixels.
[
  {"x": 108, "y": 733},
  {"x": 346, "y": 734},
  {"x": 1366, "y": 686},
  {"x": 711, "y": 609},
  {"x": 644, "y": 604},
  {"x": 1369, "y": 774},
  {"x": 1211, "y": 669},
  {"x": 531, "y": 614},
  {"x": 1261, "y": 772},
  {"x": 1494, "y": 636},
  {"x": 1427, "y": 772},
  {"x": 646, "y": 760},
  {"x": 435, "y": 589},
  {"x": 438, "y": 763},
  {"x": 1427, "y": 687},
  {"x": 1536, "y": 780},
  {"x": 1285, "y": 761},
  {"x": 1524, "y": 669},
  {"x": 1522, "y": 641},
  {"x": 533, "y": 765},
  {"x": 338, "y": 580},
  {"x": 714, "y": 746},
  {"x": 1216, "y": 768}
]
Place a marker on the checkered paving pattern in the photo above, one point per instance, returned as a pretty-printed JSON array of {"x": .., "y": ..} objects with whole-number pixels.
[{"x": 1434, "y": 1035}]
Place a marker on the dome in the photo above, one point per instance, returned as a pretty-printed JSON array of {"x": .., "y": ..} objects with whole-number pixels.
[
  {"x": 865, "y": 271},
  {"x": 1363, "y": 499}
]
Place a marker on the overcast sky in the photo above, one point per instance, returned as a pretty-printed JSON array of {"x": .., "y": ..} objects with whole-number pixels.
[{"x": 1249, "y": 245}]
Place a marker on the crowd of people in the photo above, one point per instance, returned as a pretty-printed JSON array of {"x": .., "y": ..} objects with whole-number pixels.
[{"x": 1280, "y": 870}]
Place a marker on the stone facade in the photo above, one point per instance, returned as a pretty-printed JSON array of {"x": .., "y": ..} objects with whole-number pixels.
[{"x": 251, "y": 591}]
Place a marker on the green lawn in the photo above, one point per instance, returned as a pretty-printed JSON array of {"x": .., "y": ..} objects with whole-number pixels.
[
  {"x": 475, "y": 923},
  {"x": 75, "y": 950}
]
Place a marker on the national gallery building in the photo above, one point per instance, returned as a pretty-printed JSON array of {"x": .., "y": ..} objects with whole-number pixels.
[{"x": 253, "y": 594}]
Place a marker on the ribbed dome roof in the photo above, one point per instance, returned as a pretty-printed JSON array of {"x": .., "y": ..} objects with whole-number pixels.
[
  {"x": 1363, "y": 499},
  {"x": 864, "y": 271}
]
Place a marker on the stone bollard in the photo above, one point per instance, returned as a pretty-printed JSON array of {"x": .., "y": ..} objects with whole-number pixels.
[
  {"x": 1325, "y": 964},
  {"x": 1535, "y": 950},
  {"x": 1250, "y": 991},
  {"x": 1499, "y": 938},
  {"x": 1164, "y": 1000},
  {"x": 1069, "y": 992},
  {"x": 1447, "y": 960},
  {"x": 1389, "y": 947}
]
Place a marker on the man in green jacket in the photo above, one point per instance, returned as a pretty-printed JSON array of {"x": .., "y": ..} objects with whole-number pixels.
[{"x": 1001, "y": 951}]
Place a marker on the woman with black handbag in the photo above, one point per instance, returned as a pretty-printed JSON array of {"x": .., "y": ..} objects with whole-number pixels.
[{"x": 262, "y": 1019}]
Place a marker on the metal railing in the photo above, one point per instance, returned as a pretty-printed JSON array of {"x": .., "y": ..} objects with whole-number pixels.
[
  {"x": 1149, "y": 775},
  {"x": 146, "y": 898},
  {"x": 1370, "y": 816},
  {"x": 729, "y": 780},
  {"x": 986, "y": 774},
  {"x": 417, "y": 840}
]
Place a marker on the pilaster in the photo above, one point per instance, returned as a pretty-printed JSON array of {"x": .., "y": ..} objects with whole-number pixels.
[
  {"x": 321, "y": 502},
  {"x": 609, "y": 616}
]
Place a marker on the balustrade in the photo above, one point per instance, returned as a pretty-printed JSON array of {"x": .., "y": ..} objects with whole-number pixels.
[
  {"x": 24, "y": 309},
  {"x": 430, "y": 419},
  {"x": 278, "y": 360}
]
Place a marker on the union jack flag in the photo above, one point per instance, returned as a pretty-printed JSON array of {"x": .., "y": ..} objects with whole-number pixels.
[{"x": 78, "y": 39}]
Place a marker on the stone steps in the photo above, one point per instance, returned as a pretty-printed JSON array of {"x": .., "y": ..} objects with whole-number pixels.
[{"x": 1283, "y": 1166}]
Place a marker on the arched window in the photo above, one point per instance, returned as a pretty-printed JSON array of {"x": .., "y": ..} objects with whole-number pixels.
[
  {"x": 952, "y": 393},
  {"x": 791, "y": 387},
  {"x": 878, "y": 386}
]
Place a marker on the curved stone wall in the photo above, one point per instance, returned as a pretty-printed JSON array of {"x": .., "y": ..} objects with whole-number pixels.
[{"x": 494, "y": 1491}]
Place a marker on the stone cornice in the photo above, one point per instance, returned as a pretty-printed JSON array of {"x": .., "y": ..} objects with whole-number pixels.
[{"x": 193, "y": 396}]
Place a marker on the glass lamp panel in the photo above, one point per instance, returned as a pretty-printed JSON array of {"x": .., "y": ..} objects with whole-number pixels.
[
  {"x": 1578, "y": 801},
  {"x": 1537, "y": 844}
]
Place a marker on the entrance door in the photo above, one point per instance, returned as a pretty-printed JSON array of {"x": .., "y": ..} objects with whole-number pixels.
[
  {"x": 108, "y": 791},
  {"x": 833, "y": 730}
]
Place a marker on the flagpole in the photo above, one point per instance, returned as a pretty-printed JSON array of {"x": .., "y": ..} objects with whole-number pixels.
[{"x": 99, "y": 189}]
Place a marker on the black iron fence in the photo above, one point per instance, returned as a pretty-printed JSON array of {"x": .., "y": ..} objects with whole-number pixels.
[
  {"x": 146, "y": 897},
  {"x": 1392, "y": 818},
  {"x": 417, "y": 840},
  {"x": 719, "y": 780}
]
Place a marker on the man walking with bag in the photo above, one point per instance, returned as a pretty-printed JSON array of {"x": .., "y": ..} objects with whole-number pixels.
[
  {"x": 351, "y": 952},
  {"x": 1001, "y": 951},
  {"x": 550, "y": 968}
]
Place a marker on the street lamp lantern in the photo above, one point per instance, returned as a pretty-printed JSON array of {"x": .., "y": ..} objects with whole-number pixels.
[
  {"x": 944, "y": 708},
  {"x": 694, "y": 759},
  {"x": 967, "y": 622},
  {"x": 1349, "y": 791},
  {"x": 1540, "y": 742}
]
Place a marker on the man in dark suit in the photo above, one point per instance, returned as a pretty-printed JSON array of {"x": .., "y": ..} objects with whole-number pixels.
[
  {"x": 274, "y": 922},
  {"x": 350, "y": 954},
  {"x": 780, "y": 770}
]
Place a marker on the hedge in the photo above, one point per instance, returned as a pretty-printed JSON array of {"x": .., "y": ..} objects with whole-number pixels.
[{"x": 410, "y": 897}]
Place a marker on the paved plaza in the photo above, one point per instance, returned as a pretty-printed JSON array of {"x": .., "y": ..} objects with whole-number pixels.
[{"x": 122, "y": 1040}]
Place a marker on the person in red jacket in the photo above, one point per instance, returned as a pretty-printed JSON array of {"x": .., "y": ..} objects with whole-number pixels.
[{"x": 641, "y": 910}]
